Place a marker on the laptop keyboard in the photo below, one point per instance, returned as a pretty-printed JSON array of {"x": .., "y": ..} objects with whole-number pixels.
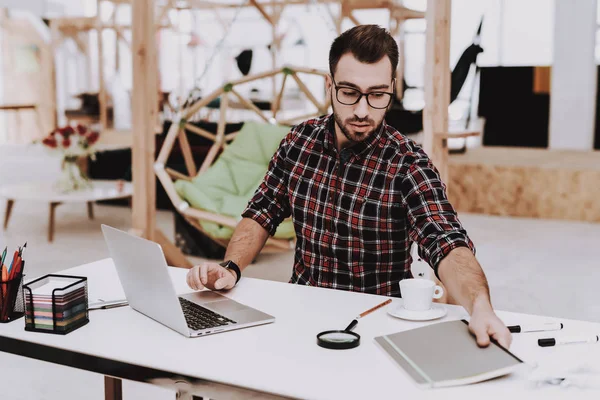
[{"x": 199, "y": 318}]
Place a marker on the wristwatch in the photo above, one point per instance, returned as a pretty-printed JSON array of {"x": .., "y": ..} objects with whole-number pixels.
[{"x": 232, "y": 266}]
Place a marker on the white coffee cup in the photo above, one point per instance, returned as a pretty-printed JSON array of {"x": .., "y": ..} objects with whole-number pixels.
[{"x": 418, "y": 294}]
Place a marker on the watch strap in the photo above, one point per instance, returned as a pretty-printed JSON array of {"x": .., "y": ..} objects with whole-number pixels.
[{"x": 233, "y": 266}]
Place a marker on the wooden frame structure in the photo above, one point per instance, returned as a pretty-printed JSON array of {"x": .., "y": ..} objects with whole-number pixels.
[
  {"x": 436, "y": 123},
  {"x": 270, "y": 10},
  {"x": 220, "y": 140}
]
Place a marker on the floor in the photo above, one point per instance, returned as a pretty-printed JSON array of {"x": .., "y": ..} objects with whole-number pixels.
[{"x": 533, "y": 266}]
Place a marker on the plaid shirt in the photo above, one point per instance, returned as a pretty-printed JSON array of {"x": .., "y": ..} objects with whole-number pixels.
[{"x": 356, "y": 212}]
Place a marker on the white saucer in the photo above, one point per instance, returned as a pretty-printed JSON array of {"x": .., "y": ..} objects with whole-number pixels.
[{"x": 436, "y": 311}]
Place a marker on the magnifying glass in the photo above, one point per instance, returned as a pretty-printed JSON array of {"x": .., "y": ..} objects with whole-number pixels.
[{"x": 346, "y": 339}]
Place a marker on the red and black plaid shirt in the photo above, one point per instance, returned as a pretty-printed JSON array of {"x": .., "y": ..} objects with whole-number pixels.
[{"x": 356, "y": 212}]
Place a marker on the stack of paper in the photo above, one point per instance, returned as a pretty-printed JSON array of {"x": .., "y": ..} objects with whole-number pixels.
[{"x": 70, "y": 304}]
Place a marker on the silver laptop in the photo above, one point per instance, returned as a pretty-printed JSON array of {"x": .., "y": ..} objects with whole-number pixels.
[{"x": 145, "y": 278}]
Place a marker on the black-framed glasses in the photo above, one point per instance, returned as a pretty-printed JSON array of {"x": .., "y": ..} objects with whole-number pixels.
[{"x": 349, "y": 96}]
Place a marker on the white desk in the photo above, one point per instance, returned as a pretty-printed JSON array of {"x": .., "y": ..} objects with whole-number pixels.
[{"x": 280, "y": 358}]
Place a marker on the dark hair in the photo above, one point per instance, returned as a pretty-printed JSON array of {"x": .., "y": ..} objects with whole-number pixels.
[{"x": 368, "y": 43}]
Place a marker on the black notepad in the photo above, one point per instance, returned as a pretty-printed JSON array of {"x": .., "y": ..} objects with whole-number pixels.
[{"x": 446, "y": 354}]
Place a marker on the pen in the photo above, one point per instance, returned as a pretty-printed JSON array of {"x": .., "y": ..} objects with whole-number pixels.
[
  {"x": 547, "y": 342},
  {"x": 3, "y": 255},
  {"x": 364, "y": 314},
  {"x": 106, "y": 305},
  {"x": 550, "y": 326}
]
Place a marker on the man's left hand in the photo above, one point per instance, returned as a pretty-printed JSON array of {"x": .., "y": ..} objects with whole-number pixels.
[{"x": 485, "y": 323}]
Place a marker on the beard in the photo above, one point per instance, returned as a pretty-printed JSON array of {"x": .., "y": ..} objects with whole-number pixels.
[{"x": 352, "y": 135}]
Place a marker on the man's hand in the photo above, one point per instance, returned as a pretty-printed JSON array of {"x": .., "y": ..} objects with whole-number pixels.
[
  {"x": 485, "y": 323},
  {"x": 212, "y": 276}
]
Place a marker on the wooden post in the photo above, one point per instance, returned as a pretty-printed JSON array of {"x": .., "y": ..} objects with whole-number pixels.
[
  {"x": 400, "y": 39},
  {"x": 114, "y": 21},
  {"x": 54, "y": 43},
  {"x": 113, "y": 388},
  {"x": 101, "y": 89},
  {"x": 437, "y": 84},
  {"x": 144, "y": 117}
]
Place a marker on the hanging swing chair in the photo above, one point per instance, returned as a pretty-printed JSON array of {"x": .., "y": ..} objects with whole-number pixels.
[{"x": 213, "y": 197}]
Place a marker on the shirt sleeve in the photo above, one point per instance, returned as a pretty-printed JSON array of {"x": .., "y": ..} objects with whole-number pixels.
[
  {"x": 434, "y": 224},
  {"x": 270, "y": 203}
]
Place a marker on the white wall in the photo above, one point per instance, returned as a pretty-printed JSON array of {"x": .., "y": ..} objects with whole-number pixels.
[{"x": 574, "y": 76}]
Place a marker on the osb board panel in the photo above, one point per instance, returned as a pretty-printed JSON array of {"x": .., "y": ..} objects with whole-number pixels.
[
  {"x": 527, "y": 157},
  {"x": 526, "y": 191}
]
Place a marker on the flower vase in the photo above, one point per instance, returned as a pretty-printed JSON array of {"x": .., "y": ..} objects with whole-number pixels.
[{"x": 72, "y": 176}]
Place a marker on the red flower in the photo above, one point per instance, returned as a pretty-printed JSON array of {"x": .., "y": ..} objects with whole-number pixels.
[
  {"x": 66, "y": 142},
  {"x": 92, "y": 138},
  {"x": 66, "y": 131},
  {"x": 50, "y": 142},
  {"x": 81, "y": 129}
]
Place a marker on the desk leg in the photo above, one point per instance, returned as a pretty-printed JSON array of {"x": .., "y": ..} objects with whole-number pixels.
[
  {"x": 90, "y": 209},
  {"x": 9, "y": 205},
  {"x": 51, "y": 221},
  {"x": 19, "y": 121},
  {"x": 113, "y": 389},
  {"x": 39, "y": 119}
]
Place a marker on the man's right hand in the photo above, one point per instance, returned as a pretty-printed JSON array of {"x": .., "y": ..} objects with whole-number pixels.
[{"x": 212, "y": 276}]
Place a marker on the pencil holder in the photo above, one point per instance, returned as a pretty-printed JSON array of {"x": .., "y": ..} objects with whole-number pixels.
[
  {"x": 56, "y": 304},
  {"x": 11, "y": 299}
]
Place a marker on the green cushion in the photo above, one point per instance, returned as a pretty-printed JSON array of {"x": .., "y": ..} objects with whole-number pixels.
[{"x": 227, "y": 186}]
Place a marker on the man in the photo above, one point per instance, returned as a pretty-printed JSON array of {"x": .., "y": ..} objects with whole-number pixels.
[{"x": 359, "y": 193}]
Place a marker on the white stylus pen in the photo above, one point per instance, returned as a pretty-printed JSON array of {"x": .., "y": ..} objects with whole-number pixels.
[
  {"x": 547, "y": 342},
  {"x": 550, "y": 326}
]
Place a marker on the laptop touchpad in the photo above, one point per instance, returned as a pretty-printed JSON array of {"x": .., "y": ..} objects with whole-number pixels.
[{"x": 225, "y": 306}]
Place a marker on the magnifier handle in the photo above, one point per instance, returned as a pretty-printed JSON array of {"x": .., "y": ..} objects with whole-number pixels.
[{"x": 352, "y": 325}]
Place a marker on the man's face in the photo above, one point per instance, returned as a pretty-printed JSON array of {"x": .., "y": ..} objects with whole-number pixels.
[{"x": 359, "y": 121}]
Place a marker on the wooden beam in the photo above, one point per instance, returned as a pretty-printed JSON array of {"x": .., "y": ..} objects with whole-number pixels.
[
  {"x": 177, "y": 175},
  {"x": 312, "y": 71},
  {"x": 54, "y": 41},
  {"x": 188, "y": 157},
  {"x": 117, "y": 33},
  {"x": 144, "y": 117},
  {"x": 277, "y": 103},
  {"x": 308, "y": 94},
  {"x": 256, "y": 77},
  {"x": 250, "y": 105},
  {"x": 437, "y": 86},
  {"x": 81, "y": 45},
  {"x": 299, "y": 118},
  {"x": 262, "y": 12},
  {"x": 400, "y": 39},
  {"x": 174, "y": 256},
  {"x": 220, "y": 137},
  {"x": 101, "y": 88},
  {"x": 208, "y": 216},
  {"x": 200, "y": 132},
  {"x": 122, "y": 36},
  {"x": 230, "y": 136},
  {"x": 456, "y": 135},
  {"x": 164, "y": 12},
  {"x": 353, "y": 18},
  {"x": 75, "y": 23},
  {"x": 404, "y": 13}
]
